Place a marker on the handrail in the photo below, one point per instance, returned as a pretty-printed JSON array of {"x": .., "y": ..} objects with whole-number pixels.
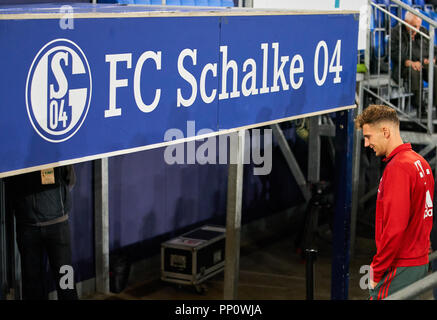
[
  {"x": 416, "y": 12},
  {"x": 429, "y": 282},
  {"x": 399, "y": 19},
  {"x": 393, "y": 106},
  {"x": 430, "y": 37}
]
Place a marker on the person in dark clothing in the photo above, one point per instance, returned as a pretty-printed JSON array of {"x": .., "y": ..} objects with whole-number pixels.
[
  {"x": 409, "y": 54},
  {"x": 41, "y": 201}
]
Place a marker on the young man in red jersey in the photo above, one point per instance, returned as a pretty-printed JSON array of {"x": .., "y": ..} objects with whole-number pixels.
[{"x": 404, "y": 205}]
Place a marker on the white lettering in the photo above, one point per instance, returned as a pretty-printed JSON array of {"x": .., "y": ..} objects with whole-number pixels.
[
  {"x": 205, "y": 78},
  {"x": 250, "y": 75},
  {"x": 191, "y": 145},
  {"x": 206, "y": 152},
  {"x": 225, "y": 68},
  {"x": 428, "y": 205},
  {"x": 419, "y": 168},
  {"x": 174, "y": 153},
  {"x": 337, "y": 68},
  {"x": 278, "y": 73},
  {"x": 256, "y": 152},
  {"x": 321, "y": 81},
  {"x": 187, "y": 76},
  {"x": 240, "y": 309},
  {"x": 368, "y": 275},
  {"x": 265, "y": 49},
  {"x": 295, "y": 70},
  {"x": 115, "y": 83},
  {"x": 67, "y": 20},
  {"x": 188, "y": 310},
  {"x": 67, "y": 280},
  {"x": 155, "y": 56},
  {"x": 213, "y": 68},
  {"x": 59, "y": 75}
]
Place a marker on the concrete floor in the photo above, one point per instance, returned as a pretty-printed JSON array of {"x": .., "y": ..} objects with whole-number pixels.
[{"x": 269, "y": 270}]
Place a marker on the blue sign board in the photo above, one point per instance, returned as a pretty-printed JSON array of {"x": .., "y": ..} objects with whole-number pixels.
[{"x": 82, "y": 87}]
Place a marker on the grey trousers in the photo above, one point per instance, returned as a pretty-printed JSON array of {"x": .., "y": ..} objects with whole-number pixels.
[
  {"x": 395, "y": 279},
  {"x": 414, "y": 81}
]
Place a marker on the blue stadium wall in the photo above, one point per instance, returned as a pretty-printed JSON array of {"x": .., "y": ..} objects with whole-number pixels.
[
  {"x": 15, "y": 2},
  {"x": 151, "y": 201}
]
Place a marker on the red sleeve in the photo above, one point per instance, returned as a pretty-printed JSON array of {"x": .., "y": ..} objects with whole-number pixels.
[{"x": 395, "y": 204}]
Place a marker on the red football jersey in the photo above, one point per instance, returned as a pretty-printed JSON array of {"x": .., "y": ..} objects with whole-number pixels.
[{"x": 404, "y": 210}]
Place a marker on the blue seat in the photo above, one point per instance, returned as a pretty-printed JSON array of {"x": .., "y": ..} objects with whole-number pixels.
[
  {"x": 424, "y": 23},
  {"x": 125, "y": 1},
  {"x": 158, "y": 2},
  {"x": 428, "y": 7},
  {"x": 378, "y": 38},
  {"x": 380, "y": 17},
  {"x": 394, "y": 10},
  {"x": 385, "y": 5},
  {"x": 377, "y": 19},
  {"x": 418, "y": 4},
  {"x": 203, "y": 3},
  {"x": 214, "y": 3},
  {"x": 384, "y": 2},
  {"x": 227, "y": 3},
  {"x": 432, "y": 15},
  {"x": 142, "y": 1},
  {"x": 407, "y": 2},
  {"x": 379, "y": 43},
  {"x": 173, "y": 2},
  {"x": 188, "y": 3}
]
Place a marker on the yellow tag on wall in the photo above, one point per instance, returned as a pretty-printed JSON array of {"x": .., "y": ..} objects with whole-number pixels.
[{"x": 48, "y": 176}]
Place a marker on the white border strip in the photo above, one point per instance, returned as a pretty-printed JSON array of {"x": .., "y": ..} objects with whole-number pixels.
[
  {"x": 168, "y": 13},
  {"x": 167, "y": 143}
]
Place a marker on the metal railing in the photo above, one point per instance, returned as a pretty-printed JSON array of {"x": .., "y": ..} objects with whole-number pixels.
[
  {"x": 382, "y": 83},
  {"x": 417, "y": 288},
  {"x": 395, "y": 89}
]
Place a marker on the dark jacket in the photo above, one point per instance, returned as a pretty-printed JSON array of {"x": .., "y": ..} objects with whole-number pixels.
[
  {"x": 418, "y": 49},
  {"x": 33, "y": 203}
]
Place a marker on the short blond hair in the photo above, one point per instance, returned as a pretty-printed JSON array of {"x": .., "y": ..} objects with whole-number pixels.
[{"x": 374, "y": 114}]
